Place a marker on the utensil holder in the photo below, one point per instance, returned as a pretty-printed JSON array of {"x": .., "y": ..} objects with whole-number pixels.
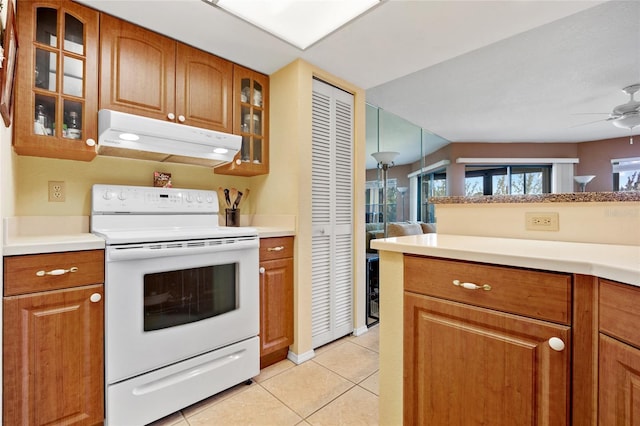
[{"x": 232, "y": 217}]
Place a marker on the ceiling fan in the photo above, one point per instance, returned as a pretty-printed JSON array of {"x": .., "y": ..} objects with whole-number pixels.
[{"x": 627, "y": 115}]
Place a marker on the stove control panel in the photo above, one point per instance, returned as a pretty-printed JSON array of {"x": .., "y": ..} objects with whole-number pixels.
[{"x": 120, "y": 199}]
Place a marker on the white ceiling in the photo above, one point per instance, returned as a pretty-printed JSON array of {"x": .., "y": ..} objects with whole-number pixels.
[{"x": 473, "y": 71}]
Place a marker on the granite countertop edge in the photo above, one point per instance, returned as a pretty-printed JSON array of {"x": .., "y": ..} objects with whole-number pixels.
[{"x": 572, "y": 197}]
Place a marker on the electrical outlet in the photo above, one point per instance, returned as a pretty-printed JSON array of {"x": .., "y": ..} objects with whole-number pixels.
[
  {"x": 542, "y": 221},
  {"x": 56, "y": 191}
]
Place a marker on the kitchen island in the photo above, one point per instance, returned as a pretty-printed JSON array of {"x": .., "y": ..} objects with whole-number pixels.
[{"x": 586, "y": 258}]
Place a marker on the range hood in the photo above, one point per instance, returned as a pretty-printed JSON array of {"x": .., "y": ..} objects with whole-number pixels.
[{"x": 133, "y": 136}]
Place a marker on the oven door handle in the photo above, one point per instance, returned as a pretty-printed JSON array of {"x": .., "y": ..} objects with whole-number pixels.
[{"x": 150, "y": 251}]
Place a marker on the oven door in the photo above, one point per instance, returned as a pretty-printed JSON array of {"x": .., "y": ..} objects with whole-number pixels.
[{"x": 167, "y": 302}]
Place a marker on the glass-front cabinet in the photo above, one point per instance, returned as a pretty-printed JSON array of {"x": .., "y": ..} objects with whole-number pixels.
[
  {"x": 57, "y": 80},
  {"x": 251, "y": 121}
]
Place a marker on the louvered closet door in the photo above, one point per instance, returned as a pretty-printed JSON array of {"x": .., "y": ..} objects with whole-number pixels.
[{"x": 332, "y": 211}]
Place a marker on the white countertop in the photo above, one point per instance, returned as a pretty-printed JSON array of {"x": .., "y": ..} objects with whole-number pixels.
[
  {"x": 50, "y": 234},
  {"x": 615, "y": 262},
  {"x": 51, "y": 244}
]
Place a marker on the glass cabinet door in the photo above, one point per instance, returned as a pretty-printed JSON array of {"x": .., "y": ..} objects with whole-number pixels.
[
  {"x": 59, "y": 52},
  {"x": 251, "y": 122}
]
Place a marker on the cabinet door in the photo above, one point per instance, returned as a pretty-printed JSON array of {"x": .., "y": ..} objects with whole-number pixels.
[
  {"x": 204, "y": 84},
  {"x": 56, "y": 80},
  {"x": 53, "y": 358},
  {"x": 276, "y": 309},
  {"x": 251, "y": 121},
  {"x": 619, "y": 383},
  {"x": 466, "y": 365},
  {"x": 137, "y": 70}
]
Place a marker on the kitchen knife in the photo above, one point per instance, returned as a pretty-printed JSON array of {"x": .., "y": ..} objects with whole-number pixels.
[{"x": 226, "y": 197}]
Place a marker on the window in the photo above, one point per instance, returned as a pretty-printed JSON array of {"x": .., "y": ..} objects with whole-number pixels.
[
  {"x": 505, "y": 180},
  {"x": 626, "y": 174},
  {"x": 431, "y": 185},
  {"x": 373, "y": 200}
]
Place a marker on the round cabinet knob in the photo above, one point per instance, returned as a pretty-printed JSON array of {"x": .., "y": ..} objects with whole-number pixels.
[
  {"x": 238, "y": 161},
  {"x": 262, "y": 269},
  {"x": 90, "y": 142},
  {"x": 171, "y": 116},
  {"x": 181, "y": 118},
  {"x": 556, "y": 344},
  {"x": 95, "y": 297}
]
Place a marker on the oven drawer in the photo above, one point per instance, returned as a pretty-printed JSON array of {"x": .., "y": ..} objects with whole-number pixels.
[
  {"x": 52, "y": 271},
  {"x": 276, "y": 248},
  {"x": 535, "y": 294}
]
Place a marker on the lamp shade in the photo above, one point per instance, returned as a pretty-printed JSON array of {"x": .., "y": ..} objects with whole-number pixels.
[{"x": 385, "y": 157}]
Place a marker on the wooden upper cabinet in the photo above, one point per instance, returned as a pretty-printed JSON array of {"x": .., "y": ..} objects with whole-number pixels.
[
  {"x": 204, "y": 89},
  {"x": 56, "y": 87},
  {"x": 137, "y": 69},
  {"x": 145, "y": 73},
  {"x": 251, "y": 121}
]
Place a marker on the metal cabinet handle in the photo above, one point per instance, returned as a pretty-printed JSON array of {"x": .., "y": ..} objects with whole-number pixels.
[
  {"x": 472, "y": 286},
  {"x": 95, "y": 297},
  {"x": 57, "y": 271},
  {"x": 279, "y": 248},
  {"x": 556, "y": 344},
  {"x": 262, "y": 270}
]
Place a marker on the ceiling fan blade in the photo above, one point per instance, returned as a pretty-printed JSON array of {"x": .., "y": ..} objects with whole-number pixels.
[{"x": 589, "y": 122}]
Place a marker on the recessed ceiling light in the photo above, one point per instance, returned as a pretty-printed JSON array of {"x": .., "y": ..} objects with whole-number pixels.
[
  {"x": 220, "y": 150},
  {"x": 298, "y": 22}
]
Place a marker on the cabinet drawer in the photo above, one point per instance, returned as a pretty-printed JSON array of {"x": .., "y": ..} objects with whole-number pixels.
[
  {"x": 618, "y": 307},
  {"x": 534, "y": 294},
  {"x": 276, "y": 248},
  {"x": 28, "y": 273}
]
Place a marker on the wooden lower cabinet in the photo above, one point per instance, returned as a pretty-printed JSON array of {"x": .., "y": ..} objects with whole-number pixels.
[
  {"x": 52, "y": 358},
  {"x": 619, "y": 383},
  {"x": 477, "y": 346},
  {"x": 466, "y": 365},
  {"x": 276, "y": 299},
  {"x": 619, "y": 355}
]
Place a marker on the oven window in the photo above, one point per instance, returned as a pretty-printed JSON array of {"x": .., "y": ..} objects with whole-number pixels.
[{"x": 189, "y": 295}]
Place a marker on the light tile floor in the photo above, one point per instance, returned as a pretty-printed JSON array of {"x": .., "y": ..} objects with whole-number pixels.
[{"x": 339, "y": 386}]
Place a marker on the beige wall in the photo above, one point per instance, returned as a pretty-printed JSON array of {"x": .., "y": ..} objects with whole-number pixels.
[
  {"x": 606, "y": 223},
  {"x": 290, "y": 191},
  {"x": 33, "y": 174}
]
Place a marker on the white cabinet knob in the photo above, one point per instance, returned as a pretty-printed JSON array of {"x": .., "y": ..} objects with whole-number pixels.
[
  {"x": 171, "y": 116},
  {"x": 262, "y": 270},
  {"x": 95, "y": 297},
  {"x": 556, "y": 344},
  {"x": 181, "y": 118},
  {"x": 90, "y": 142},
  {"x": 238, "y": 161}
]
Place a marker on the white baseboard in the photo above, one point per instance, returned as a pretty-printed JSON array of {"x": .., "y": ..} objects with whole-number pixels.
[
  {"x": 360, "y": 330},
  {"x": 300, "y": 358}
]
